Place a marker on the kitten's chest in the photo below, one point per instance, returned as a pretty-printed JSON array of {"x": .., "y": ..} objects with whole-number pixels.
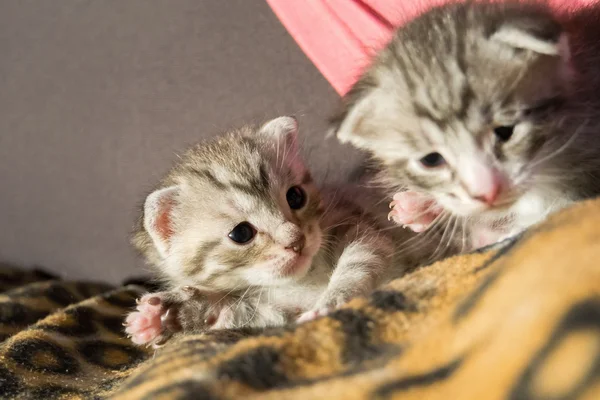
[
  {"x": 529, "y": 210},
  {"x": 298, "y": 297},
  {"x": 304, "y": 293},
  {"x": 535, "y": 207}
]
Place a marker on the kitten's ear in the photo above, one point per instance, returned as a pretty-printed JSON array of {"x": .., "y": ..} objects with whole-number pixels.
[
  {"x": 158, "y": 220},
  {"x": 348, "y": 125},
  {"x": 282, "y": 128},
  {"x": 539, "y": 34}
]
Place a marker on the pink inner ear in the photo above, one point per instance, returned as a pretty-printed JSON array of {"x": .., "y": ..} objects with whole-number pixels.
[{"x": 163, "y": 224}]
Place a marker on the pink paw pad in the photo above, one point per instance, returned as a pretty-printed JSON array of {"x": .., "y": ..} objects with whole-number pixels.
[
  {"x": 145, "y": 325},
  {"x": 313, "y": 314},
  {"x": 413, "y": 210}
]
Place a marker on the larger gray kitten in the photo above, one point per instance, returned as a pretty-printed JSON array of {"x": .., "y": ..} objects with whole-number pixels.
[{"x": 484, "y": 117}]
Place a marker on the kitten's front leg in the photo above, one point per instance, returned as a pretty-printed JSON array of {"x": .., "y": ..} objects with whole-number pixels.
[
  {"x": 160, "y": 315},
  {"x": 357, "y": 273},
  {"x": 189, "y": 310},
  {"x": 413, "y": 210}
]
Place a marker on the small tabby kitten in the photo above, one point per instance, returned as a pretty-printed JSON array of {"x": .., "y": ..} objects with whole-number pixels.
[
  {"x": 484, "y": 117},
  {"x": 242, "y": 237}
]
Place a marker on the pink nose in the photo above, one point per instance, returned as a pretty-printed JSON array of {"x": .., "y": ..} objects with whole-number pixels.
[
  {"x": 490, "y": 192},
  {"x": 490, "y": 197},
  {"x": 482, "y": 181}
]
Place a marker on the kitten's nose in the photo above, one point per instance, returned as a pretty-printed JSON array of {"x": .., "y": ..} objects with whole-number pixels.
[
  {"x": 489, "y": 197},
  {"x": 483, "y": 182},
  {"x": 297, "y": 245},
  {"x": 290, "y": 236},
  {"x": 488, "y": 190}
]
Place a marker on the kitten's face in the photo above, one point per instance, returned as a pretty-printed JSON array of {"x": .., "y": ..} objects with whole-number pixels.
[
  {"x": 460, "y": 105},
  {"x": 246, "y": 212}
]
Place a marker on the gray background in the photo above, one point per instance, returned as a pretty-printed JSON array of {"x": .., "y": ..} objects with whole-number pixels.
[{"x": 97, "y": 96}]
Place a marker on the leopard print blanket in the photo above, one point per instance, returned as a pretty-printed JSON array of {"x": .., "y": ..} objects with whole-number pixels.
[{"x": 520, "y": 320}]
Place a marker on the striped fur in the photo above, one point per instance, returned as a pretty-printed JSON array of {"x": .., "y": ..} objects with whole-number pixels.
[
  {"x": 452, "y": 76},
  {"x": 244, "y": 176}
]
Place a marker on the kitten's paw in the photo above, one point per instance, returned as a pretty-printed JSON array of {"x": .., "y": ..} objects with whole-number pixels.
[
  {"x": 413, "y": 210},
  {"x": 153, "y": 322},
  {"x": 313, "y": 314}
]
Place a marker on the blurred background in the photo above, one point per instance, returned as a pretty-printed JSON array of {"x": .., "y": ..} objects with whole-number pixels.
[{"x": 97, "y": 97}]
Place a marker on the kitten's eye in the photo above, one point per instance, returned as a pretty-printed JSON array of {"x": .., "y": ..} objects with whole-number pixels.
[
  {"x": 296, "y": 197},
  {"x": 504, "y": 132},
  {"x": 242, "y": 233},
  {"x": 433, "y": 160}
]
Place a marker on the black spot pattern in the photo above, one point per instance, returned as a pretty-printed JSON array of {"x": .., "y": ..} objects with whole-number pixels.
[
  {"x": 124, "y": 299},
  {"x": 27, "y": 353},
  {"x": 9, "y": 383},
  {"x": 259, "y": 368},
  {"x": 584, "y": 316},
  {"x": 12, "y": 276},
  {"x": 357, "y": 329},
  {"x": 50, "y": 392},
  {"x": 505, "y": 248},
  {"x": 87, "y": 290},
  {"x": 103, "y": 354},
  {"x": 186, "y": 390},
  {"x": 82, "y": 322},
  {"x": 60, "y": 295},
  {"x": 148, "y": 283},
  {"x": 468, "y": 304},
  {"x": 392, "y": 301},
  {"x": 429, "y": 378},
  {"x": 12, "y": 313},
  {"x": 113, "y": 324},
  {"x": 230, "y": 336}
]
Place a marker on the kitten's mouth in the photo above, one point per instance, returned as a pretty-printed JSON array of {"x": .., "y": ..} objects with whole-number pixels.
[
  {"x": 487, "y": 209},
  {"x": 504, "y": 203},
  {"x": 297, "y": 266},
  {"x": 300, "y": 263},
  {"x": 468, "y": 206}
]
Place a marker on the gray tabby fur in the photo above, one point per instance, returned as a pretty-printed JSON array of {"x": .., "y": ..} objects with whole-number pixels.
[
  {"x": 244, "y": 175},
  {"x": 450, "y": 77}
]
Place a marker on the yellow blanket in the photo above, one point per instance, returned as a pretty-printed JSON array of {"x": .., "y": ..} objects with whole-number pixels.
[{"x": 520, "y": 320}]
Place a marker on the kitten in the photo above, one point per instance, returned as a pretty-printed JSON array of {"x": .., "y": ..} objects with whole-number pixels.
[
  {"x": 483, "y": 116},
  {"x": 242, "y": 237}
]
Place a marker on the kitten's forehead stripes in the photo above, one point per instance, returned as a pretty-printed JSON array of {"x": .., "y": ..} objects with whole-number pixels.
[
  {"x": 255, "y": 182},
  {"x": 209, "y": 176}
]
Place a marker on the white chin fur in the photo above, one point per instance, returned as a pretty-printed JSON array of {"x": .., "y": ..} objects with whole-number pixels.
[
  {"x": 273, "y": 275},
  {"x": 284, "y": 270},
  {"x": 462, "y": 207}
]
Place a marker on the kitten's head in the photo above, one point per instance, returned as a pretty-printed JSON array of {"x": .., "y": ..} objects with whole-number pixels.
[
  {"x": 238, "y": 211},
  {"x": 460, "y": 104}
]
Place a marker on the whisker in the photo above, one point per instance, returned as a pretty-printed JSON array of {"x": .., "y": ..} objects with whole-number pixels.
[
  {"x": 255, "y": 309},
  {"x": 446, "y": 230},
  {"x": 464, "y": 235},
  {"x": 239, "y": 300},
  {"x": 559, "y": 150},
  {"x": 216, "y": 303},
  {"x": 420, "y": 239}
]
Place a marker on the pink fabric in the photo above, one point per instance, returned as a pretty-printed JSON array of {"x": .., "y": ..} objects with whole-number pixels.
[{"x": 340, "y": 36}]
